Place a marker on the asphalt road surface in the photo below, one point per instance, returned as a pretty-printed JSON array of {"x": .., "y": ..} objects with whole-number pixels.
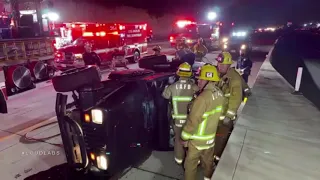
[{"x": 20, "y": 158}]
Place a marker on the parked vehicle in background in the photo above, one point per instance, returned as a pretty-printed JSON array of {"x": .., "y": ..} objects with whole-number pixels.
[
  {"x": 105, "y": 39},
  {"x": 191, "y": 31}
]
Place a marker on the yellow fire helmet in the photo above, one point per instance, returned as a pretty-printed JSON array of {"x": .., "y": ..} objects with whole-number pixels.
[
  {"x": 209, "y": 72},
  {"x": 224, "y": 58},
  {"x": 184, "y": 70}
]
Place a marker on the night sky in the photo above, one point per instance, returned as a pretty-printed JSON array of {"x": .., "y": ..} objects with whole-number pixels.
[{"x": 241, "y": 11}]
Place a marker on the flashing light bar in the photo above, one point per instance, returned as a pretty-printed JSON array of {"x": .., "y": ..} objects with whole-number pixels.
[
  {"x": 87, "y": 34},
  {"x": 183, "y": 23},
  {"x": 114, "y": 33}
]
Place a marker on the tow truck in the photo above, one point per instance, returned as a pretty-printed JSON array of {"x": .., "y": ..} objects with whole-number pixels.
[
  {"x": 128, "y": 38},
  {"x": 191, "y": 31},
  {"x": 108, "y": 128}
]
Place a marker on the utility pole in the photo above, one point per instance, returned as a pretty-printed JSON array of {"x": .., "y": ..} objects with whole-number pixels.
[{"x": 39, "y": 15}]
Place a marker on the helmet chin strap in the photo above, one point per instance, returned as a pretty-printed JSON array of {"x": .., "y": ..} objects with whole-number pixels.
[{"x": 204, "y": 86}]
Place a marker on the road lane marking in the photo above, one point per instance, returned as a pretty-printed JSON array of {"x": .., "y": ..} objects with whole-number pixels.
[{"x": 30, "y": 128}]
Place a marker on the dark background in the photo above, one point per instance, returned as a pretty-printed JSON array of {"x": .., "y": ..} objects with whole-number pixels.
[{"x": 254, "y": 12}]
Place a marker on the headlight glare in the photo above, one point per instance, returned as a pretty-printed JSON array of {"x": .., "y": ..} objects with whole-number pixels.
[
  {"x": 102, "y": 162},
  {"x": 97, "y": 116}
]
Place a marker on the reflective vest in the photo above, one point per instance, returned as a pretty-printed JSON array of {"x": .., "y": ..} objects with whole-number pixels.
[
  {"x": 204, "y": 138},
  {"x": 179, "y": 118}
]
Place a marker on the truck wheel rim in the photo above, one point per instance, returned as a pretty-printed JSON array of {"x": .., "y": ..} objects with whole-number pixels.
[
  {"x": 21, "y": 77},
  {"x": 40, "y": 70}
]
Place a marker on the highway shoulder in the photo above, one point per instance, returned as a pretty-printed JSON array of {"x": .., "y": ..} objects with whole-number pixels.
[{"x": 276, "y": 136}]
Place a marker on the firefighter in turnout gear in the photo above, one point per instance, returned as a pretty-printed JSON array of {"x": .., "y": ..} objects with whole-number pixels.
[
  {"x": 181, "y": 93},
  {"x": 183, "y": 44},
  {"x": 231, "y": 84},
  {"x": 200, "y": 50},
  {"x": 202, "y": 122}
]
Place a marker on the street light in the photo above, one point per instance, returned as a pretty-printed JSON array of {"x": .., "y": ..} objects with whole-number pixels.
[
  {"x": 51, "y": 16},
  {"x": 212, "y": 16}
]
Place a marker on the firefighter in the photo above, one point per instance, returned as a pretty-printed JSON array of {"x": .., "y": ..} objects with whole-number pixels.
[
  {"x": 89, "y": 56},
  {"x": 118, "y": 58},
  {"x": 244, "y": 64},
  {"x": 200, "y": 50},
  {"x": 200, "y": 128},
  {"x": 232, "y": 85},
  {"x": 185, "y": 55},
  {"x": 183, "y": 44},
  {"x": 157, "y": 50},
  {"x": 180, "y": 93}
]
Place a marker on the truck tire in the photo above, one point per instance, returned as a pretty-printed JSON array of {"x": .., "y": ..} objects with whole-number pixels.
[{"x": 75, "y": 79}]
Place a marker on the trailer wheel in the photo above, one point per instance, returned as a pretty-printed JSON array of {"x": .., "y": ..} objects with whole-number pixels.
[{"x": 75, "y": 79}]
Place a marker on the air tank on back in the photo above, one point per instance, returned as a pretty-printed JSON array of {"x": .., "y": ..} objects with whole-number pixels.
[{"x": 296, "y": 49}]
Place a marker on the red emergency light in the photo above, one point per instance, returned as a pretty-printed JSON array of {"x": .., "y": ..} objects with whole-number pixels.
[
  {"x": 87, "y": 34},
  {"x": 122, "y": 27},
  {"x": 114, "y": 33},
  {"x": 101, "y": 34},
  {"x": 183, "y": 23}
]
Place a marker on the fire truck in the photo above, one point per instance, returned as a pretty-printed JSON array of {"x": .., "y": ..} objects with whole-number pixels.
[
  {"x": 191, "y": 31},
  {"x": 131, "y": 39}
]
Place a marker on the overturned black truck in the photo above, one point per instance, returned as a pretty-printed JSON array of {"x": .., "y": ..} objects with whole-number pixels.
[{"x": 114, "y": 124}]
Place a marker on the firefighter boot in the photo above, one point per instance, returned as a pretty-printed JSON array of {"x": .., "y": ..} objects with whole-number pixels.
[{"x": 179, "y": 152}]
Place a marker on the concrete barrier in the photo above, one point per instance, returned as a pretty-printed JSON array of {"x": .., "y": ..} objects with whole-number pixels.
[{"x": 276, "y": 136}]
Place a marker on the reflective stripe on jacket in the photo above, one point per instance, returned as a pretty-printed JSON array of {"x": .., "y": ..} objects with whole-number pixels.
[
  {"x": 202, "y": 122},
  {"x": 181, "y": 93},
  {"x": 231, "y": 85}
]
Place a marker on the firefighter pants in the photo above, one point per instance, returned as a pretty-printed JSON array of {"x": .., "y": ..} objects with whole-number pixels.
[
  {"x": 192, "y": 161},
  {"x": 223, "y": 133},
  {"x": 179, "y": 151}
]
